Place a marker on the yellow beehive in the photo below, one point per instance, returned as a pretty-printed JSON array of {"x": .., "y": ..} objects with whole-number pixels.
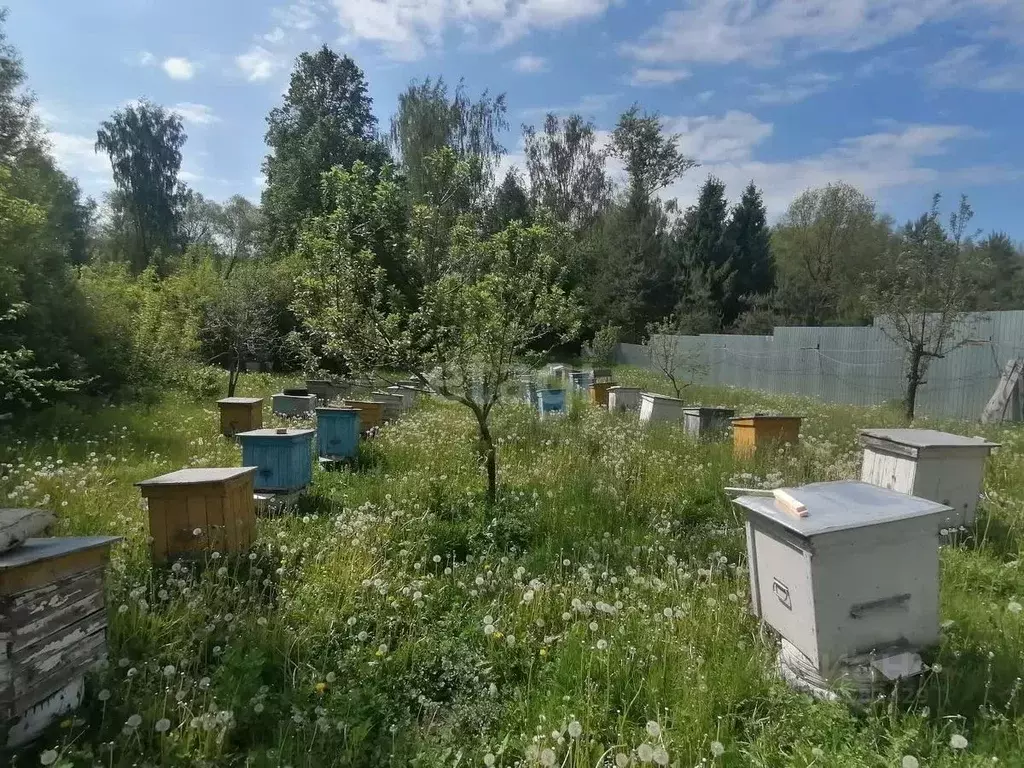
[
  {"x": 240, "y": 414},
  {"x": 371, "y": 414},
  {"x": 216, "y": 502},
  {"x": 599, "y": 392},
  {"x": 749, "y": 433}
]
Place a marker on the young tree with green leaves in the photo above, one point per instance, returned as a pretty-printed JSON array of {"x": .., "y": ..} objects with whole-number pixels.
[
  {"x": 476, "y": 308},
  {"x": 680, "y": 366}
]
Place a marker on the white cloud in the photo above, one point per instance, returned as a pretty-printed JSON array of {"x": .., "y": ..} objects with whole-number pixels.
[
  {"x": 588, "y": 106},
  {"x": 76, "y": 154},
  {"x": 258, "y": 63},
  {"x": 147, "y": 59},
  {"x": 795, "y": 89},
  {"x": 647, "y": 76},
  {"x": 197, "y": 114},
  {"x": 300, "y": 15},
  {"x": 975, "y": 67},
  {"x": 406, "y": 29},
  {"x": 530, "y": 64},
  {"x": 723, "y": 31},
  {"x": 178, "y": 68}
]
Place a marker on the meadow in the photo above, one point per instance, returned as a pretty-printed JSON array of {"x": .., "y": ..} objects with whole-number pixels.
[{"x": 596, "y": 615}]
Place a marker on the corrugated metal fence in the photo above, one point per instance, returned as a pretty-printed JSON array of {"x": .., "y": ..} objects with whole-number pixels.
[{"x": 860, "y": 366}]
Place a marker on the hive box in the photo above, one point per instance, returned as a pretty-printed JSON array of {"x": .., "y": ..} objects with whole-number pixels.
[
  {"x": 53, "y": 626},
  {"x": 933, "y": 465},
  {"x": 529, "y": 392},
  {"x": 580, "y": 380},
  {"x": 217, "y": 501},
  {"x": 550, "y": 401},
  {"x": 371, "y": 414},
  {"x": 408, "y": 395},
  {"x": 599, "y": 392},
  {"x": 859, "y": 573},
  {"x": 752, "y": 432},
  {"x": 559, "y": 371},
  {"x": 601, "y": 374},
  {"x": 283, "y": 458},
  {"x": 337, "y": 433},
  {"x": 324, "y": 389},
  {"x": 286, "y": 404},
  {"x": 654, "y": 407},
  {"x": 703, "y": 422},
  {"x": 240, "y": 414},
  {"x": 393, "y": 404},
  {"x": 623, "y": 398}
]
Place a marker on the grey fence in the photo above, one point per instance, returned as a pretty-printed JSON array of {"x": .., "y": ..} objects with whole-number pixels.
[{"x": 860, "y": 366}]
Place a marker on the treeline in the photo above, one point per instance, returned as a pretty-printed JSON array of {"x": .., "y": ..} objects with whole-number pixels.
[{"x": 123, "y": 298}]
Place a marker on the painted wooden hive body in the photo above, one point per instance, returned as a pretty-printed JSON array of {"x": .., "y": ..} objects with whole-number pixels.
[
  {"x": 704, "y": 422},
  {"x": 580, "y": 380},
  {"x": 293, "y": 405},
  {"x": 53, "y": 629},
  {"x": 393, "y": 404},
  {"x": 240, "y": 414},
  {"x": 283, "y": 458},
  {"x": 859, "y": 573},
  {"x": 371, "y": 414},
  {"x": 749, "y": 433},
  {"x": 623, "y": 398},
  {"x": 215, "y": 501},
  {"x": 943, "y": 467},
  {"x": 655, "y": 407},
  {"x": 599, "y": 392},
  {"x": 550, "y": 401},
  {"x": 337, "y": 433}
]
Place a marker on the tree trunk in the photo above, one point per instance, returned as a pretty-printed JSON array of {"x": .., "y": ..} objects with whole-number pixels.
[
  {"x": 236, "y": 367},
  {"x": 490, "y": 455},
  {"x": 913, "y": 382}
]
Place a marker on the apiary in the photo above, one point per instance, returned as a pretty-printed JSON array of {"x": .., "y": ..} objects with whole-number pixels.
[
  {"x": 749, "y": 433},
  {"x": 939, "y": 466},
  {"x": 550, "y": 401},
  {"x": 53, "y": 622},
  {"x": 337, "y": 433},
  {"x": 371, "y": 414},
  {"x": 580, "y": 380},
  {"x": 393, "y": 405},
  {"x": 407, "y": 394},
  {"x": 855, "y": 572},
  {"x": 324, "y": 389},
  {"x": 217, "y": 502},
  {"x": 294, "y": 402},
  {"x": 654, "y": 407},
  {"x": 240, "y": 414},
  {"x": 707, "y": 423},
  {"x": 623, "y": 398},
  {"x": 601, "y": 374},
  {"x": 599, "y": 392},
  {"x": 283, "y": 458},
  {"x": 559, "y": 371}
]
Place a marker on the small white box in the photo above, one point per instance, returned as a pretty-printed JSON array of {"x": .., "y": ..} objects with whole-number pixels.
[
  {"x": 623, "y": 398},
  {"x": 655, "y": 407},
  {"x": 939, "y": 466},
  {"x": 859, "y": 573}
]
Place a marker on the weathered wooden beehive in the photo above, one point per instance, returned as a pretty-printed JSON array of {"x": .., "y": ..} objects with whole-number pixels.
[
  {"x": 53, "y": 628},
  {"x": 550, "y": 401},
  {"x": 215, "y": 501},
  {"x": 751, "y": 433},
  {"x": 337, "y": 433},
  {"x": 408, "y": 395},
  {"x": 283, "y": 458},
  {"x": 580, "y": 380},
  {"x": 857, "y": 574},
  {"x": 371, "y": 414},
  {"x": 559, "y": 371},
  {"x": 601, "y": 374},
  {"x": 708, "y": 423},
  {"x": 655, "y": 407},
  {"x": 240, "y": 414},
  {"x": 623, "y": 398},
  {"x": 294, "y": 402},
  {"x": 393, "y": 404},
  {"x": 324, "y": 389},
  {"x": 599, "y": 392},
  {"x": 939, "y": 466}
]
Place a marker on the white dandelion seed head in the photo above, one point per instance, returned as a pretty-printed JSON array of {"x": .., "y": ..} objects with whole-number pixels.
[
  {"x": 575, "y": 729},
  {"x": 134, "y": 721},
  {"x": 909, "y": 761},
  {"x": 1014, "y": 607},
  {"x": 621, "y": 760},
  {"x": 645, "y": 752},
  {"x": 956, "y": 741},
  {"x": 489, "y": 760},
  {"x": 162, "y": 725},
  {"x": 660, "y": 755},
  {"x": 547, "y": 756},
  {"x": 49, "y": 757},
  {"x": 717, "y": 748},
  {"x": 103, "y": 695},
  {"x": 653, "y": 729}
]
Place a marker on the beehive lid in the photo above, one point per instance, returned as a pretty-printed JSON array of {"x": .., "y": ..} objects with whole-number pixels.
[
  {"x": 271, "y": 432},
  {"x": 842, "y": 505},
  {"x": 240, "y": 400},
  {"x": 697, "y": 409},
  {"x": 197, "y": 476},
  {"x": 336, "y": 409},
  {"x": 620, "y": 388},
  {"x": 766, "y": 417},
  {"x": 656, "y": 396},
  {"x": 36, "y": 550},
  {"x": 926, "y": 438}
]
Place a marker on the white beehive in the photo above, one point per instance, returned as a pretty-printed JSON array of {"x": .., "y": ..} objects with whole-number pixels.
[
  {"x": 623, "y": 398},
  {"x": 654, "y": 407},
  {"x": 933, "y": 465},
  {"x": 859, "y": 573}
]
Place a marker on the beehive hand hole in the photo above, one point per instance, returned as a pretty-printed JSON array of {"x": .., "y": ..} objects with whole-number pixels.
[{"x": 782, "y": 593}]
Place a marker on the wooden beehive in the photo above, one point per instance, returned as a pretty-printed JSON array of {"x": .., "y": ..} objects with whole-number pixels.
[
  {"x": 337, "y": 433},
  {"x": 599, "y": 392},
  {"x": 371, "y": 414},
  {"x": 283, "y": 458},
  {"x": 750, "y": 433},
  {"x": 215, "y": 501},
  {"x": 393, "y": 404},
  {"x": 53, "y": 627},
  {"x": 655, "y": 407},
  {"x": 939, "y": 466},
  {"x": 408, "y": 395},
  {"x": 550, "y": 401},
  {"x": 623, "y": 398},
  {"x": 601, "y": 374},
  {"x": 859, "y": 572},
  {"x": 707, "y": 423},
  {"x": 324, "y": 390},
  {"x": 580, "y": 380},
  {"x": 286, "y": 404},
  {"x": 240, "y": 414}
]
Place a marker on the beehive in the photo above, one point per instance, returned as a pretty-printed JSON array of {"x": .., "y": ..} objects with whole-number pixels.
[
  {"x": 939, "y": 466},
  {"x": 580, "y": 380},
  {"x": 559, "y": 371},
  {"x": 654, "y": 407},
  {"x": 859, "y": 573},
  {"x": 291, "y": 403},
  {"x": 337, "y": 433},
  {"x": 324, "y": 389},
  {"x": 550, "y": 401},
  {"x": 240, "y": 414},
  {"x": 283, "y": 458},
  {"x": 623, "y": 398},
  {"x": 749, "y": 433},
  {"x": 371, "y": 414},
  {"x": 704, "y": 422},
  {"x": 215, "y": 501},
  {"x": 408, "y": 395},
  {"x": 599, "y": 393},
  {"x": 601, "y": 374},
  {"x": 529, "y": 391},
  {"x": 53, "y": 623},
  {"x": 393, "y": 404}
]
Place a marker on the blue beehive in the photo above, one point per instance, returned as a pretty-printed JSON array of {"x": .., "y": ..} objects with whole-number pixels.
[
  {"x": 337, "y": 432},
  {"x": 283, "y": 458},
  {"x": 580, "y": 380},
  {"x": 550, "y": 400}
]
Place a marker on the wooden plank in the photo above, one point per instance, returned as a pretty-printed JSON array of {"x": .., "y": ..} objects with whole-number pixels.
[
  {"x": 158, "y": 513},
  {"x": 789, "y": 504},
  {"x": 36, "y": 574},
  {"x": 40, "y": 613},
  {"x": 196, "y": 505},
  {"x": 76, "y": 660},
  {"x": 21, "y": 730},
  {"x": 888, "y": 446}
]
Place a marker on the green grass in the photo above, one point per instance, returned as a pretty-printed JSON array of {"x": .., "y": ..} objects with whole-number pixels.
[{"x": 601, "y": 606}]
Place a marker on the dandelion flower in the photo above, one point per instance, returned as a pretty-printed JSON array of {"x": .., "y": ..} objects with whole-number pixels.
[
  {"x": 197, "y": 531},
  {"x": 162, "y": 725},
  {"x": 169, "y": 670},
  {"x": 488, "y": 629},
  {"x": 602, "y": 644},
  {"x": 947, "y": 623},
  {"x": 547, "y": 756},
  {"x": 621, "y": 760},
  {"x": 103, "y": 695},
  {"x": 575, "y": 729},
  {"x": 817, "y": 752},
  {"x": 909, "y": 761},
  {"x": 382, "y": 649},
  {"x": 1014, "y": 607},
  {"x": 49, "y": 757},
  {"x": 134, "y": 721},
  {"x": 653, "y": 729},
  {"x": 488, "y": 760},
  {"x": 936, "y": 668},
  {"x": 956, "y": 741},
  {"x": 660, "y": 755},
  {"x": 717, "y": 748},
  {"x": 645, "y": 752}
]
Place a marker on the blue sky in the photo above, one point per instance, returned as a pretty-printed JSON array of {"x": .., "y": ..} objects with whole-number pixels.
[{"x": 902, "y": 98}]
